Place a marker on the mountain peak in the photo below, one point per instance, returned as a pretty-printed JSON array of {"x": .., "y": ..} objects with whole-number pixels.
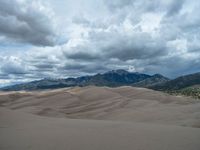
[
  {"x": 118, "y": 71},
  {"x": 158, "y": 75}
]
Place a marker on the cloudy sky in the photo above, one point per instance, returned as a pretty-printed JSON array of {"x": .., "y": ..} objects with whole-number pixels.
[{"x": 64, "y": 38}]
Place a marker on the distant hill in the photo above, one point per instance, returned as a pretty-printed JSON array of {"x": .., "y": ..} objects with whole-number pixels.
[
  {"x": 178, "y": 83},
  {"x": 188, "y": 85},
  {"x": 153, "y": 80}
]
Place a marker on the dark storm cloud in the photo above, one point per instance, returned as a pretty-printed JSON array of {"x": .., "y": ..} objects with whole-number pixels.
[
  {"x": 82, "y": 56},
  {"x": 45, "y": 65},
  {"x": 175, "y": 7},
  {"x": 26, "y": 22},
  {"x": 12, "y": 69},
  {"x": 85, "y": 68},
  {"x": 124, "y": 47},
  {"x": 84, "y": 52},
  {"x": 72, "y": 66},
  {"x": 140, "y": 46}
]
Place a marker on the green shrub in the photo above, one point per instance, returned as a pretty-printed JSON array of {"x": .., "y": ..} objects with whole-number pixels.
[{"x": 190, "y": 91}]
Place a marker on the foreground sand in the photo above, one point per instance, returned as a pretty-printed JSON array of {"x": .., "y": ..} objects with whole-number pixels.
[
  {"x": 102, "y": 118},
  {"x": 21, "y": 131}
]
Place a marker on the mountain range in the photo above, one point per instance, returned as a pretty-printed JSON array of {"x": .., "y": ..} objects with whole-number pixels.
[
  {"x": 188, "y": 85},
  {"x": 179, "y": 83},
  {"x": 113, "y": 78}
]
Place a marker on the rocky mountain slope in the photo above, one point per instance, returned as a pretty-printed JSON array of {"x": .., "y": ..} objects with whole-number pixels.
[{"x": 112, "y": 78}]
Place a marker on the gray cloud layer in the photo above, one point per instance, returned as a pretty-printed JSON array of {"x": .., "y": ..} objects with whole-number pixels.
[
  {"x": 26, "y": 22},
  {"x": 157, "y": 36}
]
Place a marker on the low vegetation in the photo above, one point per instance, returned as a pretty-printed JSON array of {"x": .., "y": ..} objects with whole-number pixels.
[{"x": 190, "y": 91}]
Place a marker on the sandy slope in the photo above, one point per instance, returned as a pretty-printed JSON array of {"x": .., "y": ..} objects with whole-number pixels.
[
  {"x": 102, "y": 103},
  {"x": 102, "y": 118},
  {"x": 19, "y": 131}
]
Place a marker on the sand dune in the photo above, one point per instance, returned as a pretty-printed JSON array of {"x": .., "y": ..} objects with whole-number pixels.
[
  {"x": 21, "y": 131},
  {"x": 103, "y": 103},
  {"x": 98, "y": 118}
]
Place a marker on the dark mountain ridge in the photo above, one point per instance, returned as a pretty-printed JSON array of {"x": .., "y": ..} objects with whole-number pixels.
[
  {"x": 153, "y": 80},
  {"x": 112, "y": 78},
  {"x": 178, "y": 83}
]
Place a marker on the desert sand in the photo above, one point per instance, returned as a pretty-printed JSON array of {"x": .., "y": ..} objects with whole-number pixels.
[{"x": 96, "y": 118}]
